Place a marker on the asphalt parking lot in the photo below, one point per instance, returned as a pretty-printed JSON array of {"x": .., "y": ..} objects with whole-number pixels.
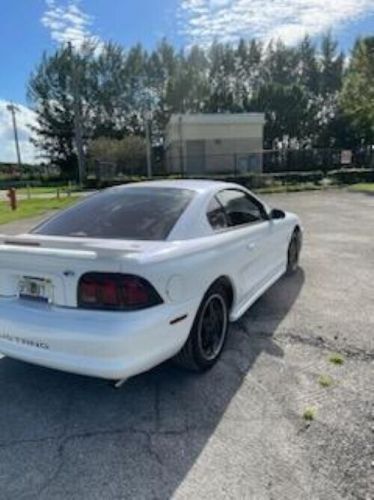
[{"x": 238, "y": 431}]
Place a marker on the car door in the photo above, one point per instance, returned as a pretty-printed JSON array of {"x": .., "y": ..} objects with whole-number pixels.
[{"x": 252, "y": 237}]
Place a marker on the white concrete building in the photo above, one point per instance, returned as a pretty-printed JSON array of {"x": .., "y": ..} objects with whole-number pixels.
[{"x": 197, "y": 144}]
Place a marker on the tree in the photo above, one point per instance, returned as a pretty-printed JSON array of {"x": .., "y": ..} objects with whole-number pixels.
[
  {"x": 331, "y": 62},
  {"x": 128, "y": 155},
  {"x": 357, "y": 97},
  {"x": 110, "y": 86},
  {"x": 246, "y": 73},
  {"x": 280, "y": 64},
  {"x": 286, "y": 111},
  {"x": 298, "y": 88},
  {"x": 51, "y": 90},
  {"x": 307, "y": 66},
  {"x": 109, "y": 103},
  {"x": 222, "y": 85},
  {"x": 325, "y": 100}
]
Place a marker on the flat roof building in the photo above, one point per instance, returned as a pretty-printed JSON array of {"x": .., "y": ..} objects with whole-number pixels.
[{"x": 198, "y": 144}]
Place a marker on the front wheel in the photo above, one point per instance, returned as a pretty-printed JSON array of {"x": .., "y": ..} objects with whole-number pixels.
[
  {"x": 208, "y": 333},
  {"x": 293, "y": 254}
]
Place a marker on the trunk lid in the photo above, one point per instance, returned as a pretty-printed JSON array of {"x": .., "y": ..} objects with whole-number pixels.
[{"x": 57, "y": 263}]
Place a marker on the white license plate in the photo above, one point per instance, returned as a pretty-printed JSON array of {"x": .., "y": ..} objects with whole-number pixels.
[{"x": 35, "y": 288}]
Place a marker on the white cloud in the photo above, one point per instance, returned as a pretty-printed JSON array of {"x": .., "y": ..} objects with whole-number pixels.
[
  {"x": 68, "y": 23},
  {"x": 7, "y": 148},
  {"x": 228, "y": 20}
]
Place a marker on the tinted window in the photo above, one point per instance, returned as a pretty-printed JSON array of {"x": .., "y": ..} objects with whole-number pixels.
[
  {"x": 240, "y": 208},
  {"x": 216, "y": 215},
  {"x": 131, "y": 213}
]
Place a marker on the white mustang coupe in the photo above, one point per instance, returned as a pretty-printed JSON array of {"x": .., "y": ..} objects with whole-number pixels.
[{"x": 141, "y": 273}]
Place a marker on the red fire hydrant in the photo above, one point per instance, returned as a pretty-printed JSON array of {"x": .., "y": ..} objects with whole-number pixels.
[{"x": 11, "y": 194}]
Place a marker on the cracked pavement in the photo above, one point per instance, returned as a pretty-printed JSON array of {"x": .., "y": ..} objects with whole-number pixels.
[{"x": 237, "y": 431}]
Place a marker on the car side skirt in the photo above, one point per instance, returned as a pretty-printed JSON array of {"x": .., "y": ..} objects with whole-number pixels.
[{"x": 238, "y": 311}]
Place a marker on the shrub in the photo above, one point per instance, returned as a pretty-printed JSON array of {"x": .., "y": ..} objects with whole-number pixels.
[
  {"x": 325, "y": 380},
  {"x": 309, "y": 413},
  {"x": 127, "y": 155},
  {"x": 336, "y": 359},
  {"x": 352, "y": 176}
]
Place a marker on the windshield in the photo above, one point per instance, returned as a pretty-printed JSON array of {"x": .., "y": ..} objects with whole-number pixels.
[{"x": 131, "y": 213}]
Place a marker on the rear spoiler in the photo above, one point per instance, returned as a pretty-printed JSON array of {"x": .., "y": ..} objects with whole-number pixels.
[
  {"x": 24, "y": 245},
  {"x": 8, "y": 249}
]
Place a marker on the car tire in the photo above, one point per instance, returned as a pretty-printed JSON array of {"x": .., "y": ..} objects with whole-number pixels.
[
  {"x": 293, "y": 252},
  {"x": 208, "y": 334}
]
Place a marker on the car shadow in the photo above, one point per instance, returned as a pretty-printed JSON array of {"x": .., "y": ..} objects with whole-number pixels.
[{"x": 68, "y": 436}]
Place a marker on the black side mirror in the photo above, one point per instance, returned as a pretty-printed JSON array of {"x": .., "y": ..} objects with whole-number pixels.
[{"x": 277, "y": 214}]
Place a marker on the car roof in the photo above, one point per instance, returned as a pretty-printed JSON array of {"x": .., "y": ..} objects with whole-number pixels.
[
  {"x": 193, "y": 222},
  {"x": 198, "y": 185}
]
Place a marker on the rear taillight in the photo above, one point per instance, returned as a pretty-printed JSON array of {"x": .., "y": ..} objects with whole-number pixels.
[{"x": 118, "y": 292}]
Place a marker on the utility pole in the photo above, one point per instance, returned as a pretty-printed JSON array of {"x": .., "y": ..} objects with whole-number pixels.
[
  {"x": 148, "y": 144},
  {"x": 78, "y": 129},
  {"x": 13, "y": 109},
  {"x": 181, "y": 155}
]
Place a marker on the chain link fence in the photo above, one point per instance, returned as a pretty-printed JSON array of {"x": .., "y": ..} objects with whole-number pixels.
[
  {"x": 258, "y": 168},
  {"x": 271, "y": 162}
]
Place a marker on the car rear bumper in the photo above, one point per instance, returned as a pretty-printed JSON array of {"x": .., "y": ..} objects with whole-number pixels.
[{"x": 111, "y": 345}]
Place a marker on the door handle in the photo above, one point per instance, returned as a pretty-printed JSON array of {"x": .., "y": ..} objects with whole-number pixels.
[{"x": 251, "y": 246}]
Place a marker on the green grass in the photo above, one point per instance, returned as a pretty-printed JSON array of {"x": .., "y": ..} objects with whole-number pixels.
[
  {"x": 363, "y": 187},
  {"x": 325, "y": 380},
  {"x": 38, "y": 190},
  {"x": 309, "y": 413},
  {"x": 32, "y": 208},
  {"x": 46, "y": 190},
  {"x": 336, "y": 359}
]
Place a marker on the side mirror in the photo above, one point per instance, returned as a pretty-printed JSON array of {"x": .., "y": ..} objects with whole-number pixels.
[{"x": 277, "y": 214}]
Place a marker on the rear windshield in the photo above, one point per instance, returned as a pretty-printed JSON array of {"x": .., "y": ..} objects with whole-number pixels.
[{"x": 130, "y": 213}]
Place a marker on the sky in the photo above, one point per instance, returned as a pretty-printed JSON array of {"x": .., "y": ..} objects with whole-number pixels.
[{"x": 30, "y": 27}]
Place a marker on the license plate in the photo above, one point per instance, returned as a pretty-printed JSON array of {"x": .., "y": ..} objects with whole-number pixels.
[{"x": 38, "y": 289}]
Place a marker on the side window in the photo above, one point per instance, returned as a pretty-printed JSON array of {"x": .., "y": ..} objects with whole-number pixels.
[
  {"x": 216, "y": 215},
  {"x": 240, "y": 208}
]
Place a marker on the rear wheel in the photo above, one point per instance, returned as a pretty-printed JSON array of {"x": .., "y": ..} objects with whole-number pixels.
[
  {"x": 208, "y": 333},
  {"x": 293, "y": 253}
]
